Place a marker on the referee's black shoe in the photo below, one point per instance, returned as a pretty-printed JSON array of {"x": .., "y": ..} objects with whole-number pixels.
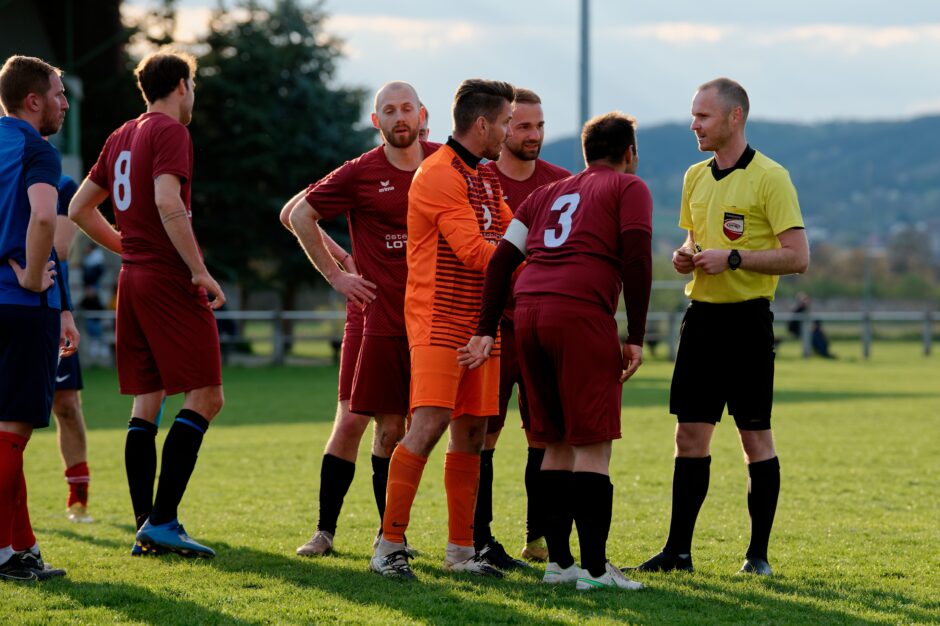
[
  {"x": 664, "y": 562},
  {"x": 757, "y": 567}
]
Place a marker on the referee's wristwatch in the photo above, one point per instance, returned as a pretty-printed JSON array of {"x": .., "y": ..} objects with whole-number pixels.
[{"x": 734, "y": 260}]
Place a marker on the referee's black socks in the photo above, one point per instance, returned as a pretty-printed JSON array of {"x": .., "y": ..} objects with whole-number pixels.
[
  {"x": 178, "y": 461},
  {"x": 140, "y": 462},
  {"x": 558, "y": 498},
  {"x": 763, "y": 487},
  {"x": 593, "y": 506},
  {"x": 689, "y": 488}
]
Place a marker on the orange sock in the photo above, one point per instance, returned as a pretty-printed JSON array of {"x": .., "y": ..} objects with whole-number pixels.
[
  {"x": 404, "y": 475},
  {"x": 461, "y": 480}
]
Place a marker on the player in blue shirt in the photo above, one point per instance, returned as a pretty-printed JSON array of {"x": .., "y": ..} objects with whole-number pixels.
[{"x": 34, "y": 318}]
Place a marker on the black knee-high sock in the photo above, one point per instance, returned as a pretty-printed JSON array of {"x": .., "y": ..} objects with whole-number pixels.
[
  {"x": 535, "y": 511},
  {"x": 689, "y": 488},
  {"x": 593, "y": 506},
  {"x": 336, "y": 475},
  {"x": 140, "y": 461},
  {"x": 483, "y": 514},
  {"x": 763, "y": 487},
  {"x": 177, "y": 463},
  {"x": 379, "y": 484},
  {"x": 558, "y": 497}
]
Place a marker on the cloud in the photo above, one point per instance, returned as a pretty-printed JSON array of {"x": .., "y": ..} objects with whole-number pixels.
[
  {"x": 848, "y": 39},
  {"x": 407, "y": 34},
  {"x": 675, "y": 32}
]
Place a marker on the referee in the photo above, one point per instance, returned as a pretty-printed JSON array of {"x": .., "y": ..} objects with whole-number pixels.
[{"x": 744, "y": 230}]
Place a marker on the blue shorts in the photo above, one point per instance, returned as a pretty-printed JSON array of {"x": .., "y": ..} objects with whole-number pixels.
[
  {"x": 29, "y": 351},
  {"x": 69, "y": 374}
]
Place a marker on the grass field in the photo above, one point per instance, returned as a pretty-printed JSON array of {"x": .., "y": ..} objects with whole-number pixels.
[{"x": 855, "y": 542}]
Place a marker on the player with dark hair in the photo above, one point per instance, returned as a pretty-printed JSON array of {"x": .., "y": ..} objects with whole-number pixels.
[
  {"x": 455, "y": 216},
  {"x": 520, "y": 172},
  {"x": 744, "y": 231},
  {"x": 167, "y": 339},
  {"x": 373, "y": 190},
  {"x": 36, "y": 325},
  {"x": 583, "y": 238},
  {"x": 67, "y": 401}
]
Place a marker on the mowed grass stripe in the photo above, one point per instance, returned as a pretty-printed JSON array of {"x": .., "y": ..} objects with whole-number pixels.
[{"x": 855, "y": 538}]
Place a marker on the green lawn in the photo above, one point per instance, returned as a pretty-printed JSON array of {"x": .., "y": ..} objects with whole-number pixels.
[{"x": 855, "y": 542}]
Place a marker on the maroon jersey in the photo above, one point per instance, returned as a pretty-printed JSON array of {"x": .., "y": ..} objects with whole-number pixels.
[
  {"x": 132, "y": 158},
  {"x": 573, "y": 243},
  {"x": 516, "y": 191},
  {"x": 374, "y": 193}
]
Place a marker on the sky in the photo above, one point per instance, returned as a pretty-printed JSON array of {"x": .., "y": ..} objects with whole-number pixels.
[{"x": 800, "y": 60}]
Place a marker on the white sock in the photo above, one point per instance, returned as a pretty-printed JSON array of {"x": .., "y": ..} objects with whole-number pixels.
[
  {"x": 5, "y": 554},
  {"x": 387, "y": 547},
  {"x": 456, "y": 554}
]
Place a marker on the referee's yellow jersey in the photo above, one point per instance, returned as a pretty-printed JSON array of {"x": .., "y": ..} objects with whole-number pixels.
[{"x": 742, "y": 209}]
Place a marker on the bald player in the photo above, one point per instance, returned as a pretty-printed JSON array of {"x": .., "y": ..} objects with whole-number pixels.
[
  {"x": 373, "y": 190},
  {"x": 520, "y": 172}
]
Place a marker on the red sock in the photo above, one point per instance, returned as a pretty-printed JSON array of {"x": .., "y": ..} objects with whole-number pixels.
[
  {"x": 23, "y": 537},
  {"x": 461, "y": 480},
  {"x": 78, "y": 478},
  {"x": 404, "y": 475},
  {"x": 11, "y": 473}
]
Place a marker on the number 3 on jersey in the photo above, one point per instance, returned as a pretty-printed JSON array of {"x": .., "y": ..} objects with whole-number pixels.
[
  {"x": 122, "y": 181},
  {"x": 566, "y": 206}
]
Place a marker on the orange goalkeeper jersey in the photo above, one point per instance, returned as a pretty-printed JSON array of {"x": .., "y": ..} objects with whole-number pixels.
[{"x": 456, "y": 216}]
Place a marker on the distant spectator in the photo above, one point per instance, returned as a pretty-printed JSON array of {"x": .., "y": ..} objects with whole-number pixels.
[
  {"x": 802, "y": 307},
  {"x": 820, "y": 341},
  {"x": 94, "y": 327},
  {"x": 92, "y": 266}
]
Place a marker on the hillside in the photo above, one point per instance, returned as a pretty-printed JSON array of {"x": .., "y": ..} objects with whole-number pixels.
[{"x": 857, "y": 181}]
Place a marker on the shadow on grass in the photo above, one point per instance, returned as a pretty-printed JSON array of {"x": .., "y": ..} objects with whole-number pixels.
[
  {"x": 759, "y": 600},
  {"x": 437, "y": 597},
  {"x": 441, "y": 597},
  {"x": 138, "y": 603}
]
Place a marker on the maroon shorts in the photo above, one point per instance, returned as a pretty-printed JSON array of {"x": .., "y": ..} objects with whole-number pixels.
[
  {"x": 383, "y": 377},
  {"x": 166, "y": 334},
  {"x": 571, "y": 362},
  {"x": 509, "y": 374},
  {"x": 352, "y": 340}
]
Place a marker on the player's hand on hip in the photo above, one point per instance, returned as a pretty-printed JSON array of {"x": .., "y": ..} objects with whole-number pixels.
[
  {"x": 31, "y": 282},
  {"x": 357, "y": 289},
  {"x": 682, "y": 260},
  {"x": 712, "y": 261},
  {"x": 205, "y": 280},
  {"x": 476, "y": 352},
  {"x": 68, "y": 336},
  {"x": 632, "y": 360}
]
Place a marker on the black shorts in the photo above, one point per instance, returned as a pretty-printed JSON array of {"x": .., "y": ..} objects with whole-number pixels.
[
  {"x": 29, "y": 351},
  {"x": 726, "y": 356},
  {"x": 69, "y": 375}
]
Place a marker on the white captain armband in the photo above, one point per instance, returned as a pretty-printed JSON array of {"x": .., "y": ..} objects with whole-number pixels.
[{"x": 516, "y": 234}]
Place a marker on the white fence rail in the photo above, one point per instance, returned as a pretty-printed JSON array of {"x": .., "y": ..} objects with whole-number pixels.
[{"x": 662, "y": 327}]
